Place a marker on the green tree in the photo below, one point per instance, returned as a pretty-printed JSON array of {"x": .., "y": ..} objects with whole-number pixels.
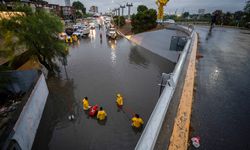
[
  {"x": 185, "y": 14},
  {"x": 219, "y": 16},
  {"x": 38, "y": 32},
  {"x": 247, "y": 7},
  {"x": 228, "y": 19},
  {"x": 142, "y": 8},
  {"x": 144, "y": 20},
  {"x": 78, "y": 14},
  {"x": 78, "y": 5},
  {"x": 119, "y": 20}
]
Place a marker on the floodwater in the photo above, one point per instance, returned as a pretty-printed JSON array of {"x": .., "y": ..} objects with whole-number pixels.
[
  {"x": 99, "y": 69},
  {"x": 221, "y": 114}
]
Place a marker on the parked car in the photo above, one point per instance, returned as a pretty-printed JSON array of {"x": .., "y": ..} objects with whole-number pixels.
[{"x": 111, "y": 33}]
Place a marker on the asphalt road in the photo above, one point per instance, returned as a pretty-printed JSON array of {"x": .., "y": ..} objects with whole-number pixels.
[
  {"x": 99, "y": 69},
  {"x": 221, "y": 114}
]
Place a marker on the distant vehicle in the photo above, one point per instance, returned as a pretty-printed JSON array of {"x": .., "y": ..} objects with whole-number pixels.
[
  {"x": 111, "y": 33},
  {"x": 170, "y": 21},
  {"x": 67, "y": 21},
  {"x": 78, "y": 33},
  {"x": 92, "y": 25},
  {"x": 85, "y": 31},
  {"x": 81, "y": 29}
]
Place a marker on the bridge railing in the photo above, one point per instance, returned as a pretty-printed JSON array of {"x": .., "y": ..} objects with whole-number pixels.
[{"x": 150, "y": 134}]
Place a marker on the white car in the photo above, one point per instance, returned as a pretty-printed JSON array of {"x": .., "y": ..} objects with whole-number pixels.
[
  {"x": 78, "y": 33},
  {"x": 85, "y": 30},
  {"x": 170, "y": 21},
  {"x": 111, "y": 33},
  {"x": 92, "y": 25}
]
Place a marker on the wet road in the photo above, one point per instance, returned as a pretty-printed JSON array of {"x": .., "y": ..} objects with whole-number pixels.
[
  {"x": 99, "y": 69},
  {"x": 221, "y": 114}
]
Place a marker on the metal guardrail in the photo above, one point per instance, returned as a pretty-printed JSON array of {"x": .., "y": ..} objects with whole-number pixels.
[{"x": 150, "y": 134}]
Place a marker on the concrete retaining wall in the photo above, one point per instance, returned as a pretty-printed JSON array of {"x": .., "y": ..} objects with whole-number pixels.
[{"x": 26, "y": 126}]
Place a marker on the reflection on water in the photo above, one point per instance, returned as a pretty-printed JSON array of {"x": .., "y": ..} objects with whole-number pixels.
[
  {"x": 135, "y": 57},
  {"x": 112, "y": 45},
  {"x": 60, "y": 104},
  {"x": 92, "y": 35}
]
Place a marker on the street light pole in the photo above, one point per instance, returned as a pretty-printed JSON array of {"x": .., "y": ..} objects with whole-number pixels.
[{"x": 129, "y": 6}]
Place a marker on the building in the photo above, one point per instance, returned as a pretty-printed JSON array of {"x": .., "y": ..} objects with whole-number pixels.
[
  {"x": 67, "y": 3},
  {"x": 93, "y": 9},
  {"x": 68, "y": 12},
  {"x": 56, "y": 9}
]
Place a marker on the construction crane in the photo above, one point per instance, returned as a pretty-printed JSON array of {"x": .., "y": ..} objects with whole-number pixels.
[{"x": 161, "y": 4}]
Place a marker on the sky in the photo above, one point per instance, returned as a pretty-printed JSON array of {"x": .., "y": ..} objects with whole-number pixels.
[{"x": 180, "y": 6}]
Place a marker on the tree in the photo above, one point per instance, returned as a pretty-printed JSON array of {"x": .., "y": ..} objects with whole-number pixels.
[
  {"x": 78, "y": 14},
  {"x": 142, "y": 8},
  {"x": 119, "y": 20},
  {"x": 143, "y": 20},
  {"x": 219, "y": 16},
  {"x": 247, "y": 7},
  {"x": 38, "y": 32},
  {"x": 228, "y": 19},
  {"x": 185, "y": 14},
  {"x": 79, "y": 6}
]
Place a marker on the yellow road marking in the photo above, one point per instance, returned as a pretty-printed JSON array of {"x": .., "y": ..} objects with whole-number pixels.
[{"x": 179, "y": 137}]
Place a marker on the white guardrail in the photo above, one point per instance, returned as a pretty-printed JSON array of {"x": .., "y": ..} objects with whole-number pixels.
[{"x": 151, "y": 131}]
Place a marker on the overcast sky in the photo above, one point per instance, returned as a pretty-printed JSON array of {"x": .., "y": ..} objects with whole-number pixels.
[{"x": 173, "y": 5}]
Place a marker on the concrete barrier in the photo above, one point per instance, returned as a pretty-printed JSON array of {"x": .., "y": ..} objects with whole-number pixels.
[
  {"x": 150, "y": 134},
  {"x": 25, "y": 128}
]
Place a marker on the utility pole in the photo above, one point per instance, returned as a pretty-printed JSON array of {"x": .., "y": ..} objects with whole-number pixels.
[
  {"x": 129, "y": 6},
  {"x": 122, "y": 7}
]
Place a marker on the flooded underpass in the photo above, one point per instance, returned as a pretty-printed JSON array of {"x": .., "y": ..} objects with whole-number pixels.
[{"x": 99, "y": 69}]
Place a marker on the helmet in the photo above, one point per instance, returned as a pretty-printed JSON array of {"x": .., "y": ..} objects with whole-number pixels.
[{"x": 118, "y": 95}]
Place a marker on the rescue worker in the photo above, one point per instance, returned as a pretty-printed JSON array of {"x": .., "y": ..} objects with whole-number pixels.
[
  {"x": 101, "y": 115},
  {"x": 85, "y": 102},
  {"x": 119, "y": 100},
  {"x": 137, "y": 122}
]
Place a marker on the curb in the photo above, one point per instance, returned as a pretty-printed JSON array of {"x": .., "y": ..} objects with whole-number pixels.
[{"x": 180, "y": 134}]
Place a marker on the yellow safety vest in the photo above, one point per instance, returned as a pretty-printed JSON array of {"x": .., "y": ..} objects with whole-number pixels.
[
  {"x": 119, "y": 100},
  {"x": 137, "y": 122},
  {"x": 85, "y": 104},
  {"x": 101, "y": 115}
]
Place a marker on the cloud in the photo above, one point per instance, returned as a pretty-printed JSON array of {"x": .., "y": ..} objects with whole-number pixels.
[{"x": 173, "y": 5}]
